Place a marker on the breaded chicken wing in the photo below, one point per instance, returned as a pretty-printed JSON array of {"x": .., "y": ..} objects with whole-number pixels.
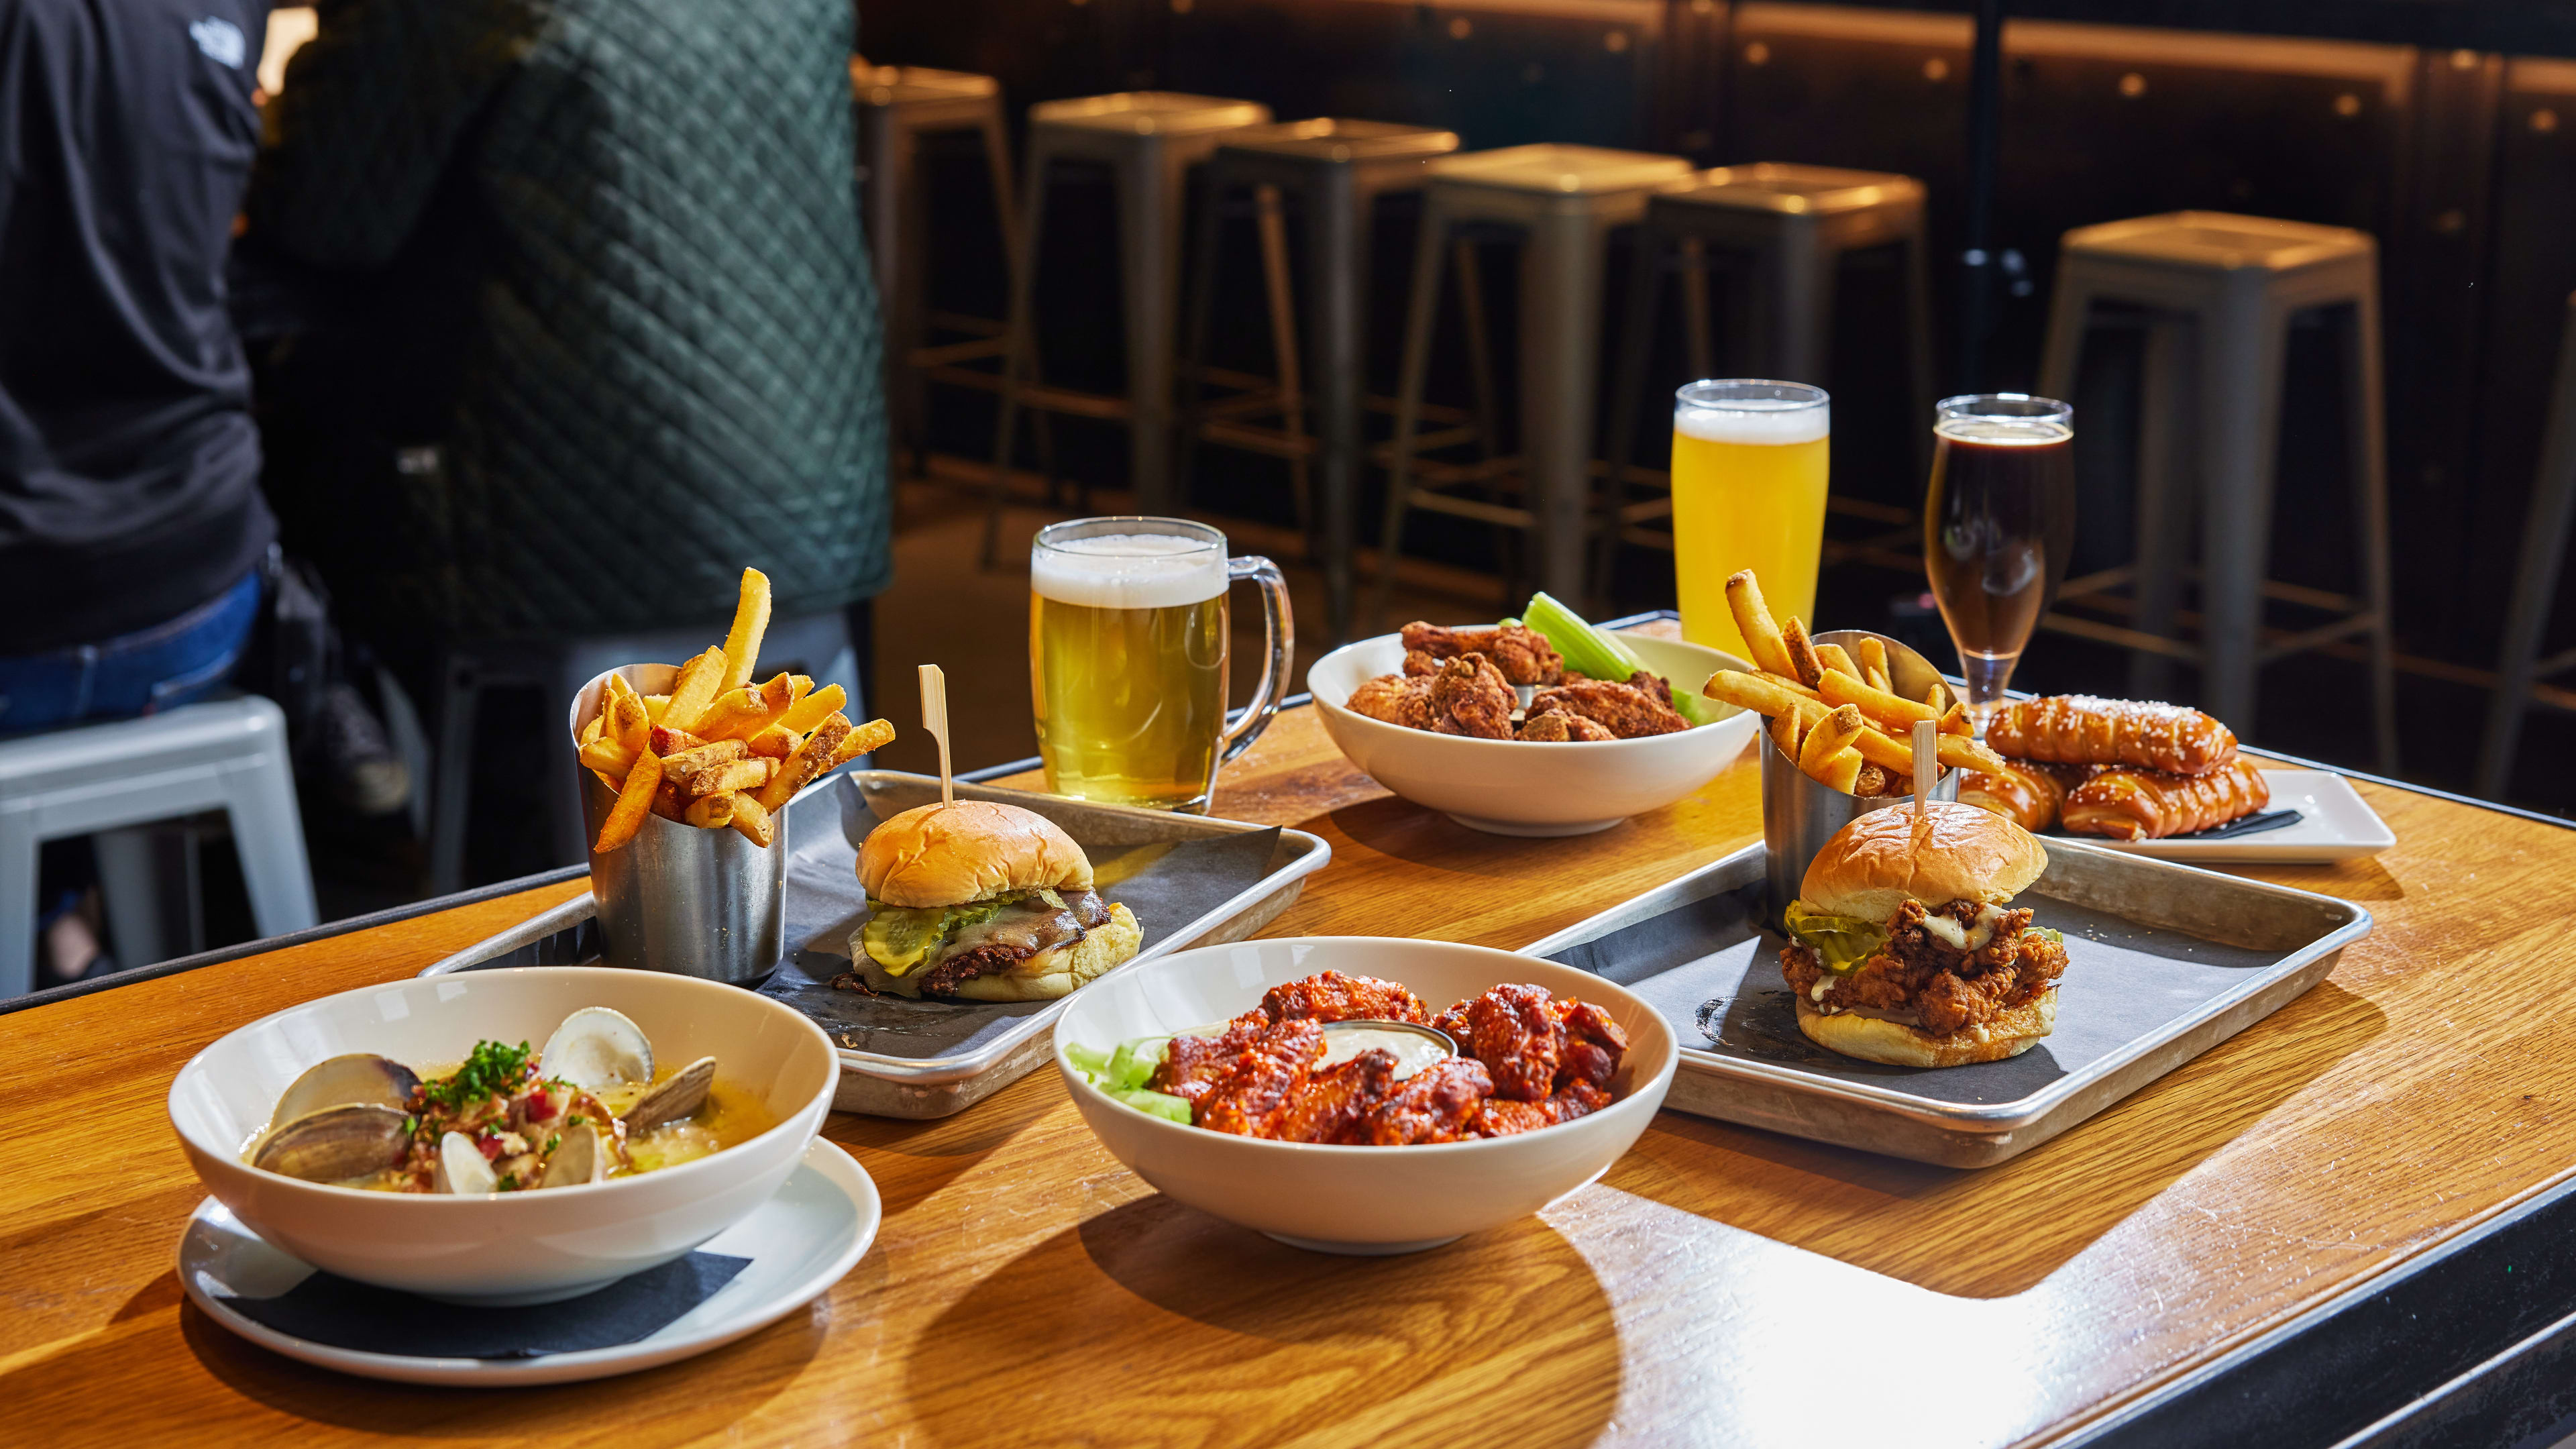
[
  {"x": 1624, "y": 709},
  {"x": 1437, "y": 1104},
  {"x": 1332, "y": 996},
  {"x": 1396, "y": 700},
  {"x": 1558, "y": 727},
  {"x": 1470, "y": 698},
  {"x": 1335, "y": 1103},
  {"x": 1514, "y": 1033},
  {"x": 1264, "y": 1077},
  {"x": 1522, "y": 654}
]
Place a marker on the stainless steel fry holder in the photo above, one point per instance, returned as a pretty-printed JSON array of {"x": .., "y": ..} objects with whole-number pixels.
[{"x": 1800, "y": 815}]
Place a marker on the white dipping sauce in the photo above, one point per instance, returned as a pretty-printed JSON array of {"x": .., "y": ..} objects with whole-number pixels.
[{"x": 1412, "y": 1050}]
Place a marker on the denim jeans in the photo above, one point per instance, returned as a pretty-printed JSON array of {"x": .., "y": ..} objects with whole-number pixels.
[{"x": 168, "y": 665}]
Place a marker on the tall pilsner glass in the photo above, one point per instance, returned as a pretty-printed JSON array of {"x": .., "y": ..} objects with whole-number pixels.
[
  {"x": 1998, "y": 525},
  {"x": 1128, "y": 640},
  {"x": 1749, "y": 466}
]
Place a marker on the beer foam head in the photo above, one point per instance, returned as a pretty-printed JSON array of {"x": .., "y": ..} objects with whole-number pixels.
[
  {"x": 1128, "y": 571},
  {"x": 1770, "y": 422}
]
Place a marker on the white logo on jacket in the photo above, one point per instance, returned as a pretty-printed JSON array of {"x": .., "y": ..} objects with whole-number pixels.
[{"x": 220, "y": 39}]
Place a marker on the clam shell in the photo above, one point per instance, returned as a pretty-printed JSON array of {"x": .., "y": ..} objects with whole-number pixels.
[
  {"x": 579, "y": 1158},
  {"x": 337, "y": 1143},
  {"x": 673, "y": 1098},
  {"x": 597, "y": 1047},
  {"x": 357, "y": 1077},
  {"x": 461, "y": 1167}
]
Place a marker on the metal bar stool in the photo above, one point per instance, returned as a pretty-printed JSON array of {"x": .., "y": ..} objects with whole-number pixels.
[
  {"x": 2535, "y": 584},
  {"x": 1149, "y": 140},
  {"x": 2219, "y": 292},
  {"x": 104, "y": 780},
  {"x": 898, "y": 105},
  {"x": 1794, "y": 224},
  {"x": 1564, "y": 201},
  {"x": 1336, "y": 170}
]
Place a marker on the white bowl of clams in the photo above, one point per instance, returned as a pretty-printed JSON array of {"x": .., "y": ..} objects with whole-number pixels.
[{"x": 505, "y": 1137}]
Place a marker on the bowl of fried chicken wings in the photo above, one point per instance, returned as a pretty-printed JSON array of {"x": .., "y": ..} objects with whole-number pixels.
[
  {"x": 1556, "y": 1073},
  {"x": 1487, "y": 726}
]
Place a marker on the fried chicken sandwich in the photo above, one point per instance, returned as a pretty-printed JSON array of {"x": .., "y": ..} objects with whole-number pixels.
[
  {"x": 986, "y": 902},
  {"x": 1903, "y": 948}
]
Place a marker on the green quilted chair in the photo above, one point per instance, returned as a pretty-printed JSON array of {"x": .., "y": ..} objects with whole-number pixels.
[{"x": 670, "y": 367}]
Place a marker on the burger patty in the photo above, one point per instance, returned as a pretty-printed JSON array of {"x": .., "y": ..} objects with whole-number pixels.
[
  {"x": 1924, "y": 981},
  {"x": 998, "y": 946}
]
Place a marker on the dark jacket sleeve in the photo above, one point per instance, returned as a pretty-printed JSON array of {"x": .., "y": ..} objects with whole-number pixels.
[{"x": 370, "y": 115}]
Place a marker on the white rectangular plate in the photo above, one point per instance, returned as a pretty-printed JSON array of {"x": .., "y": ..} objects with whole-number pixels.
[{"x": 2334, "y": 823}]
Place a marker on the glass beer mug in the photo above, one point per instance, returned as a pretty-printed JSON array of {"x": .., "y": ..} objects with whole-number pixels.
[{"x": 1128, "y": 641}]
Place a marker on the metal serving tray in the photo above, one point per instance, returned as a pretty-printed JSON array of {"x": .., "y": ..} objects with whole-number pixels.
[
  {"x": 2165, "y": 961},
  {"x": 932, "y": 1058}
]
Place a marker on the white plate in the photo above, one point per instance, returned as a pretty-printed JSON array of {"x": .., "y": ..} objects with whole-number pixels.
[
  {"x": 800, "y": 1242},
  {"x": 2334, "y": 823}
]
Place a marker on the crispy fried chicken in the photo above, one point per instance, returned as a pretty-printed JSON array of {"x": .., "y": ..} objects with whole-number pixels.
[
  {"x": 1522, "y": 654},
  {"x": 1437, "y": 1104},
  {"x": 1270, "y": 1069},
  {"x": 1626, "y": 710},
  {"x": 1553, "y": 727},
  {"x": 1395, "y": 699},
  {"x": 1337, "y": 1101},
  {"x": 1332, "y": 996},
  {"x": 1469, "y": 697},
  {"x": 1921, "y": 980}
]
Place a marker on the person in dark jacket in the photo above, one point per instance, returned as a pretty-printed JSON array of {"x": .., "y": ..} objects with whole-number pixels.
[{"x": 626, "y": 337}]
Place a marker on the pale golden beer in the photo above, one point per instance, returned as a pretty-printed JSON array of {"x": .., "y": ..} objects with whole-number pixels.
[
  {"x": 1128, "y": 638},
  {"x": 1749, "y": 468}
]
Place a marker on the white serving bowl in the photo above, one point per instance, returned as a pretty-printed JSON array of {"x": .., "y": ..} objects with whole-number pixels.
[
  {"x": 521, "y": 1247},
  {"x": 1523, "y": 787},
  {"x": 1357, "y": 1199}
]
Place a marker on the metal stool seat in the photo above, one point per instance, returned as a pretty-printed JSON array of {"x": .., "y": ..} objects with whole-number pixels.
[
  {"x": 898, "y": 105},
  {"x": 1336, "y": 170},
  {"x": 1149, "y": 140},
  {"x": 2219, "y": 292},
  {"x": 813, "y": 644},
  {"x": 2535, "y": 583},
  {"x": 1563, "y": 201},
  {"x": 1794, "y": 225},
  {"x": 104, "y": 780}
]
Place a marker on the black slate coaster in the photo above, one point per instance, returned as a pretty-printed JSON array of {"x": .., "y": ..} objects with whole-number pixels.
[{"x": 330, "y": 1310}]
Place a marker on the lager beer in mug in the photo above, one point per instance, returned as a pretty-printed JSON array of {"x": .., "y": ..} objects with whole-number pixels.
[
  {"x": 1127, "y": 658},
  {"x": 1748, "y": 493}
]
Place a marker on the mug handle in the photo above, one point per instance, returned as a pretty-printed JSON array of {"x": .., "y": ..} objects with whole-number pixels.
[{"x": 1272, "y": 691}]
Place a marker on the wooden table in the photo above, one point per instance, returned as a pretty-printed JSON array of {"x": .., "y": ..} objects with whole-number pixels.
[{"x": 1720, "y": 1285}]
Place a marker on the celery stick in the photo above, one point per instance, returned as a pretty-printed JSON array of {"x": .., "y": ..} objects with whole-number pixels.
[
  {"x": 1134, "y": 1063},
  {"x": 1090, "y": 1061},
  {"x": 1599, "y": 654},
  {"x": 1160, "y": 1104}
]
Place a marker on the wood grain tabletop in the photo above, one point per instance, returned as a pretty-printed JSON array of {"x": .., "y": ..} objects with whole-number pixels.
[{"x": 1720, "y": 1285}]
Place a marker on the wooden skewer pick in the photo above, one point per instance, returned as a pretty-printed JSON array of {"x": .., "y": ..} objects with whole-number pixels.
[
  {"x": 1927, "y": 737},
  {"x": 934, "y": 718}
]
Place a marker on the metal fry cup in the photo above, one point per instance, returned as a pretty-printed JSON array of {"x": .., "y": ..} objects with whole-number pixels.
[
  {"x": 1799, "y": 815},
  {"x": 677, "y": 899}
]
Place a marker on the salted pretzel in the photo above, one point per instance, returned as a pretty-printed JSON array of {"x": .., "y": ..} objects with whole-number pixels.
[
  {"x": 2025, "y": 792},
  {"x": 2125, "y": 804},
  {"x": 2077, "y": 729}
]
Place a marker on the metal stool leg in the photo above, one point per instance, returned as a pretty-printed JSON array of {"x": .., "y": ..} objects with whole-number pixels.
[
  {"x": 1149, "y": 203},
  {"x": 1695, "y": 323},
  {"x": 1018, "y": 341},
  {"x": 1283, "y": 352},
  {"x": 1560, "y": 350},
  {"x": 1468, "y": 265},
  {"x": 2535, "y": 583},
  {"x": 1918, "y": 344},
  {"x": 17, "y": 902},
  {"x": 1801, "y": 305},
  {"x": 2244, "y": 344},
  {"x": 1421, "y": 312},
  {"x": 895, "y": 224},
  {"x": 268, "y": 837},
  {"x": 1636, "y": 349},
  {"x": 2166, "y": 425},
  {"x": 1197, "y": 314},
  {"x": 1337, "y": 260},
  {"x": 2366, "y": 442},
  {"x": 131, "y": 886}
]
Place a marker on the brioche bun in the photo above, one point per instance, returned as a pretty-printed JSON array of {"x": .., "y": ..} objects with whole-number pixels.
[
  {"x": 947, "y": 855},
  {"x": 1953, "y": 853},
  {"x": 1893, "y": 1042}
]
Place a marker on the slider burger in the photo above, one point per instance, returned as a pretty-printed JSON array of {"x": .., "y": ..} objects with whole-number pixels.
[
  {"x": 1902, "y": 948},
  {"x": 983, "y": 901}
]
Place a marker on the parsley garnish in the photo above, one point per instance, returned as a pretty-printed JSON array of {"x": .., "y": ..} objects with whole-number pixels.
[
  {"x": 509, "y": 1182},
  {"x": 554, "y": 1142},
  {"x": 576, "y": 1120},
  {"x": 492, "y": 1070}
]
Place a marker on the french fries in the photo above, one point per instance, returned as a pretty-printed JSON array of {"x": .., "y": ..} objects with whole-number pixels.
[
  {"x": 1834, "y": 712},
  {"x": 719, "y": 751},
  {"x": 1753, "y": 621},
  {"x": 750, "y": 622},
  {"x": 1802, "y": 654},
  {"x": 1873, "y": 664}
]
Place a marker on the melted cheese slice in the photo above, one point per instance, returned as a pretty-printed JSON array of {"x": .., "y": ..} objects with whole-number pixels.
[{"x": 1967, "y": 938}]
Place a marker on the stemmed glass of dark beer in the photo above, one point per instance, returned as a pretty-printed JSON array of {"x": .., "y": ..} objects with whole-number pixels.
[{"x": 1998, "y": 524}]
